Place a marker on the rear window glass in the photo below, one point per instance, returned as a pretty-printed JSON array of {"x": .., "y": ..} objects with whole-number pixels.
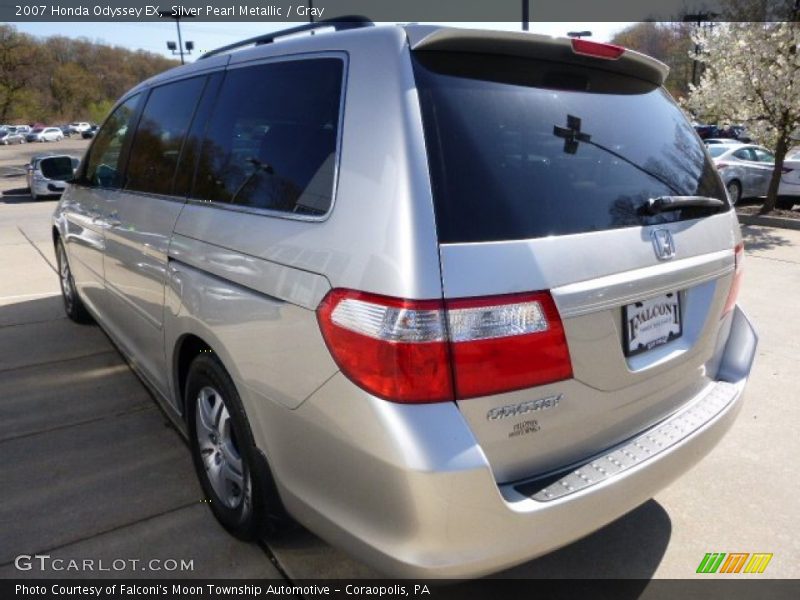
[
  {"x": 520, "y": 148},
  {"x": 58, "y": 167}
]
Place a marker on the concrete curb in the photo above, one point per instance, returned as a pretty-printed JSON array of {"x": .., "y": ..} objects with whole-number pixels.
[{"x": 769, "y": 221}]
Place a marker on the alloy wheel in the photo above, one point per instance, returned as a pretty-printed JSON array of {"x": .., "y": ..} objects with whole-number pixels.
[
  {"x": 67, "y": 289},
  {"x": 218, "y": 448}
]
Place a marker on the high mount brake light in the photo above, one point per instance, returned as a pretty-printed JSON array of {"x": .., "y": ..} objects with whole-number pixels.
[
  {"x": 432, "y": 351},
  {"x": 596, "y": 49}
]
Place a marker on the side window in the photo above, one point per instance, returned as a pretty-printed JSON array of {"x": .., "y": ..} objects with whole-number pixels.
[
  {"x": 157, "y": 144},
  {"x": 271, "y": 140},
  {"x": 744, "y": 154},
  {"x": 763, "y": 156},
  {"x": 191, "y": 146},
  {"x": 103, "y": 168}
]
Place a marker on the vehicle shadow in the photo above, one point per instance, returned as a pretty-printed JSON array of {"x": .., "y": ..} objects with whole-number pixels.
[
  {"x": 763, "y": 238},
  {"x": 22, "y": 196},
  {"x": 629, "y": 548}
]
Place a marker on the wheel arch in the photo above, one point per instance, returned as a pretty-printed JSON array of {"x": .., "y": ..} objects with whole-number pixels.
[{"x": 188, "y": 347}]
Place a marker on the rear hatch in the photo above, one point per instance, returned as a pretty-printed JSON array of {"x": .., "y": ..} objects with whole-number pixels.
[{"x": 543, "y": 175}]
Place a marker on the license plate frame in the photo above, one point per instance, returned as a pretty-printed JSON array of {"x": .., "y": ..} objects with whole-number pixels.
[{"x": 656, "y": 324}]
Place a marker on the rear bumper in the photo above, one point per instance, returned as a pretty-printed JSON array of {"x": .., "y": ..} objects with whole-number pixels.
[
  {"x": 408, "y": 490},
  {"x": 47, "y": 187},
  {"x": 788, "y": 189}
]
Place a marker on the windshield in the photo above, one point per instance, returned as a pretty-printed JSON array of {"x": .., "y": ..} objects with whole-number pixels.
[{"x": 520, "y": 148}]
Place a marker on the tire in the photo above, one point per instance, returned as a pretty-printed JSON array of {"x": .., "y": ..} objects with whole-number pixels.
[
  {"x": 734, "y": 191},
  {"x": 232, "y": 473},
  {"x": 786, "y": 202},
  {"x": 73, "y": 305}
]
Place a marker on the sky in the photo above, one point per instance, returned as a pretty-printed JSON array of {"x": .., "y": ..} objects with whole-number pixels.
[{"x": 206, "y": 36}]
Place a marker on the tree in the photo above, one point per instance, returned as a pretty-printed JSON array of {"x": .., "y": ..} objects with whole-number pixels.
[
  {"x": 63, "y": 79},
  {"x": 752, "y": 77},
  {"x": 668, "y": 42},
  {"x": 18, "y": 56}
]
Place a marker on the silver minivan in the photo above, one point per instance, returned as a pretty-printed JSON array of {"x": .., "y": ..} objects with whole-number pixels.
[{"x": 449, "y": 298}]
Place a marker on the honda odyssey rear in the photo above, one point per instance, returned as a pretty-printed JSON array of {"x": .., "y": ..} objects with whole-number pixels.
[{"x": 476, "y": 304}]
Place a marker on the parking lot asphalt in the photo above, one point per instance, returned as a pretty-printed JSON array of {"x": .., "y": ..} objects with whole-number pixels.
[{"x": 91, "y": 469}]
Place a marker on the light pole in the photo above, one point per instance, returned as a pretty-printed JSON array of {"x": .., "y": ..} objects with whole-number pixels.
[
  {"x": 526, "y": 9},
  {"x": 698, "y": 19},
  {"x": 167, "y": 14}
]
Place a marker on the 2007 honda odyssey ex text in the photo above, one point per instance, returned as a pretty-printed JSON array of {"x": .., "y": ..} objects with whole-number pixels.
[{"x": 432, "y": 292}]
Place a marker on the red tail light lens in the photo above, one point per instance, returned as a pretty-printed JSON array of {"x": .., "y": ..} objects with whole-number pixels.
[
  {"x": 416, "y": 351},
  {"x": 733, "y": 294},
  {"x": 506, "y": 343},
  {"x": 596, "y": 49},
  {"x": 395, "y": 349}
]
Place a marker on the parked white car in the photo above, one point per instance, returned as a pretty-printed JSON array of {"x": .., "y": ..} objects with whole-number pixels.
[
  {"x": 79, "y": 127},
  {"x": 45, "y": 134},
  {"x": 48, "y": 175}
]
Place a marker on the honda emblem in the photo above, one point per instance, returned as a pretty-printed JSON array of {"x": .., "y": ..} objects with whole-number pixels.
[{"x": 663, "y": 244}]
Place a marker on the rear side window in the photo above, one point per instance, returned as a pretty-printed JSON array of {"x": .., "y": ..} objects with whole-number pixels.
[
  {"x": 103, "y": 168},
  {"x": 160, "y": 134},
  {"x": 271, "y": 140},
  {"x": 763, "y": 156},
  {"x": 520, "y": 148}
]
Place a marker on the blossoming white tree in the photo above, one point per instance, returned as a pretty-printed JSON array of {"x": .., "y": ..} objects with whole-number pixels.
[{"x": 752, "y": 77}]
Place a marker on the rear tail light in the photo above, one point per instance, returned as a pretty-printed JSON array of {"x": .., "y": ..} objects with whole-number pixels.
[
  {"x": 393, "y": 348},
  {"x": 506, "y": 343},
  {"x": 432, "y": 351},
  {"x": 721, "y": 166},
  {"x": 596, "y": 49},
  {"x": 733, "y": 294}
]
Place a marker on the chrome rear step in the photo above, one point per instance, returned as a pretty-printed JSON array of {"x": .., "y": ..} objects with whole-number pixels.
[{"x": 635, "y": 451}]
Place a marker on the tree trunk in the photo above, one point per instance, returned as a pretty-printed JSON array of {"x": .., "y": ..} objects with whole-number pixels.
[{"x": 772, "y": 192}]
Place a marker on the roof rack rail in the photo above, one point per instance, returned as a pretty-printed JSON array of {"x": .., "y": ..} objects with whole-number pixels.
[{"x": 338, "y": 24}]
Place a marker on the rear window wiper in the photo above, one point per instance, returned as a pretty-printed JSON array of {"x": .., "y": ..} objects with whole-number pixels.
[{"x": 666, "y": 203}]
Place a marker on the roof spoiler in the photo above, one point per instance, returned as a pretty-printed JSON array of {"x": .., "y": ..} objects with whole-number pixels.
[{"x": 543, "y": 47}]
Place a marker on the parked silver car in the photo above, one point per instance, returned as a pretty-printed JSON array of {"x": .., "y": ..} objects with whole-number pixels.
[
  {"x": 11, "y": 136},
  {"x": 45, "y": 134},
  {"x": 450, "y": 298},
  {"x": 746, "y": 170},
  {"x": 47, "y": 175}
]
